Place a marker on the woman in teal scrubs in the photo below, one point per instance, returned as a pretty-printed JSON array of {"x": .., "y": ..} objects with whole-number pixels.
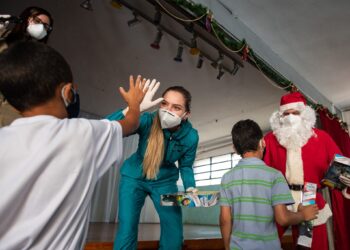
[{"x": 166, "y": 137}]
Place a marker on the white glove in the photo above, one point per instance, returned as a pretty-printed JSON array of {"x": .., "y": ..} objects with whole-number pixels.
[
  {"x": 345, "y": 180},
  {"x": 147, "y": 102},
  {"x": 345, "y": 193},
  {"x": 3, "y": 25},
  {"x": 192, "y": 190}
]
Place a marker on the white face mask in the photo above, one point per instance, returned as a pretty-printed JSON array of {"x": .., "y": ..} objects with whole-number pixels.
[
  {"x": 168, "y": 119},
  {"x": 37, "y": 31},
  {"x": 291, "y": 120}
]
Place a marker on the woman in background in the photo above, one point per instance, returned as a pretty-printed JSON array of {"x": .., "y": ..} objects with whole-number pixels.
[{"x": 34, "y": 23}]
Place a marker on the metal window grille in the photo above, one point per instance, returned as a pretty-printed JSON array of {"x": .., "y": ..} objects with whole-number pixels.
[{"x": 209, "y": 171}]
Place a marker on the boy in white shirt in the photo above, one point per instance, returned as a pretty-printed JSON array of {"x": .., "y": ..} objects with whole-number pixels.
[{"x": 49, "y": 164}]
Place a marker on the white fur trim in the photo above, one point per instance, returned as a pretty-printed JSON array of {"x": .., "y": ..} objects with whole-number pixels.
[
  {"x": 293, "y": 105},
  {"x": 295, "y": 174},
  {"x": 345, "y": 193},
  {"x": 323, "y": 215},
  {"x": 294, "y": 167}
]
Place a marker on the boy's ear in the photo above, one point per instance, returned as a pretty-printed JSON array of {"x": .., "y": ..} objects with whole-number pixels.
[{"x": 66, "y": 90}]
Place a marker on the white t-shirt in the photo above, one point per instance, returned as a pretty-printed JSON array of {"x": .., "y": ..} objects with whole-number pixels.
[{"x": 48, "y": 171}]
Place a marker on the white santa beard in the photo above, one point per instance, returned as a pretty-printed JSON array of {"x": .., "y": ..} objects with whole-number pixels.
[
  {"x": 293, "y": 137},
  {"x": 296, "y": 136}
]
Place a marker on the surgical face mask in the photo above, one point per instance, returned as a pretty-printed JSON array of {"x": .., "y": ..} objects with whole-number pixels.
[
  {"x": 168, "y": 119},
  {"x": 72, "y": 107},
  {"x": 37, "y": 30},
  {"x": 291, "y": 120}
]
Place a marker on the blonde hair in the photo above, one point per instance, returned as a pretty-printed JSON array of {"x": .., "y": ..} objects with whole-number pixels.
[{"x": 155, "y": 150}]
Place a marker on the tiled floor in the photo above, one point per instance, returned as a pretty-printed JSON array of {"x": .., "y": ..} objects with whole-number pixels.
[{"x": 105, "y": 232}]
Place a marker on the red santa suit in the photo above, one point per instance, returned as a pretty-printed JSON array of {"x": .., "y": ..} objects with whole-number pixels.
[{"x": 308, "y": 163}]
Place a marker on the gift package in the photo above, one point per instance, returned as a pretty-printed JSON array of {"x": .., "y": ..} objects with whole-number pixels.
[
  {"x": 189, "y": 199},
  {"x": 305, "y": 228},
  {"x": 340, "y": 165}
]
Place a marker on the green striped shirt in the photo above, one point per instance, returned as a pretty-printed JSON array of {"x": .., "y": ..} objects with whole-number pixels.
[{"x": 251, "y": 189}]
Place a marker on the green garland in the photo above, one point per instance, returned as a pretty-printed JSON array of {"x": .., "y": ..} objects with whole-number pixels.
[
  {"x": 232, "y": 42},
  {"x": 196, "y": 9}
]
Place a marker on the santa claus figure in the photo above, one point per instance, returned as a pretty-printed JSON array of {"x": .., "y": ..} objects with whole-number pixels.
[{"x": 303, "y": 153}]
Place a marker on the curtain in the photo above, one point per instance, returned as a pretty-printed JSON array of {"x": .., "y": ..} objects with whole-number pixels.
[
  {"x": 104, "y": 207},
  {"x": 333, "y": 128},
  {"x": 342, "y": 139},
  {"x": 346, "y": 117}
]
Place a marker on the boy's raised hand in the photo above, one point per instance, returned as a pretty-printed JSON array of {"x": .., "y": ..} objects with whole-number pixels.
[
  {"x": 309, "y": 212},
  {"x": 133, "y": 97},
  {"x": 136, "y": 92}
]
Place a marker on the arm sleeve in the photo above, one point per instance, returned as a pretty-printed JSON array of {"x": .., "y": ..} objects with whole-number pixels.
[
  {"x": 280, "y": 193},
  {"x": 224, "y": 196},
  {"x": 116, "y": 116},
  {"x": 146, "y": 120},
  {"x": 107, "y": 149},
  {"x": 186, "y": 164}
]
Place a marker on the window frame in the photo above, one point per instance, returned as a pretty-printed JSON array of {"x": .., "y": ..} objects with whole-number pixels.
[{"x": 233, "y": 163}]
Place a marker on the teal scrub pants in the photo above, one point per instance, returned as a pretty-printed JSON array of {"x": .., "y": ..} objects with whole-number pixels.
[{"x": 132, "y": 195}]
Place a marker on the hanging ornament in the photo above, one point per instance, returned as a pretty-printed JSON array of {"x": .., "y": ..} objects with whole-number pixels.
[
  {"x": 193, "y": 46},
  {"x": 116, "y": 4},
  {"x": 294, "y": 88},
  {"x": 208, "y": 21},
  {"x": 245, "y": 53}
]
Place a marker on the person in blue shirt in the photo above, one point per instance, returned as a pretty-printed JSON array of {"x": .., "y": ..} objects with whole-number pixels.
[{"x": 165, "y": 137}]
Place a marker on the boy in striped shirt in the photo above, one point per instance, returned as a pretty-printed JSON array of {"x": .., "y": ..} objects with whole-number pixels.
[{"x": 254, "y": 196}]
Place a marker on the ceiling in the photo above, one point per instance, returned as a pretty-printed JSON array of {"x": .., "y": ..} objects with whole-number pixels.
[
  {"x": 305, "y": 41},
  {"x": 308, "y": 40}
]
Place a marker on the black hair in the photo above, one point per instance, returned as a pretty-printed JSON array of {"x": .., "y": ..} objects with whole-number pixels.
[
  {"x": 185, "y": 93},
  {"x": 19, "y": 31},
  {"x": 30, "y": 73},
  {"x": 246, "y": 135}
]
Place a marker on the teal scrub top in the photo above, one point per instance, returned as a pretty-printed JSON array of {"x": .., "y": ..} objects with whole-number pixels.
[{"x": 180, "y": 146}]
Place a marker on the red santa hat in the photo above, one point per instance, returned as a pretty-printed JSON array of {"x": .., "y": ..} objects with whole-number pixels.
[{"x": 293, "y": 100}]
